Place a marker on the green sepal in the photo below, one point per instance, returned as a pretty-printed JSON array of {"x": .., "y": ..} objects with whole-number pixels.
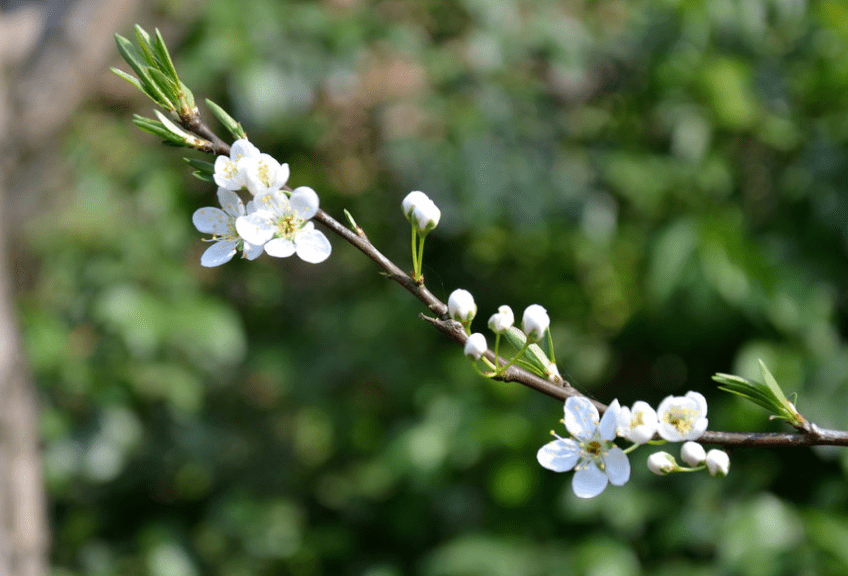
[
  {"x": 228, "y": 121},
  {"x": 767, "y": 394},
  {"x": 533, "y": 358}
]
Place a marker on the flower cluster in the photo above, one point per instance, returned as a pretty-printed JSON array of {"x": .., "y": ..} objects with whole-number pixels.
[
  {"x": 276, "y": 221},
  {"x": 596, "y": 459}
]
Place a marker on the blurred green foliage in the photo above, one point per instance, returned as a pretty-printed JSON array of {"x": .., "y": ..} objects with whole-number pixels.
[{"x": 666, "y": 178}]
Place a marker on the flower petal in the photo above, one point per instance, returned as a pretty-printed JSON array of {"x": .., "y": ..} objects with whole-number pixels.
[
  {"x": 560, "y": 455},
  {"x": 312, "y": 246},
  {"x": 609, "y": 421},
  {"x": 588, "y": 482},
  {"x": 219, "y": 253},
  {"x": 304, "y": 202},
  {"x": 256, "y": 228},
  {"x": 581, "y": 417},
  {"x": 617, "y": 466},
  {"x": 280, "y": 248},
  {"x": 252, "y": 251},
  {"x": 212, "y": 220},
  {"x": 242, "y": 148},
  {"x": 230, "y": 202}
]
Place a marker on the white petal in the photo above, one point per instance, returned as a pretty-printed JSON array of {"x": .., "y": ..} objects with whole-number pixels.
[
  {"x": 280, "y": 248},
  {"x": 211, "y": 220},
  {"x": 581, "y": 417},
  {"x": 617, "y": 466},
  {"x": 699, "y": 400},
  {"x": 643, "y": 411},
  {"x": 242, "y": 148},
  {"x": 218, "y": 253},
  {"x": 230, "y": 202},
  {"x": 261, "y": 174},
  {"x": 252, "y": 251},
  {"x": 256, "y": 228},
  {"x": 589, "y": 482},
  {"x": 560, "y": 455},
  {"x": 304, "y": 202},
  {"x": 609, "y": 421},
  {"x": 282, "y": 176},
  {"x": 312, "y": 246},
  {"x": 412, "y": 200},
  {"x": 698, "y": 430},
  {"x": 641, "y": 434}
]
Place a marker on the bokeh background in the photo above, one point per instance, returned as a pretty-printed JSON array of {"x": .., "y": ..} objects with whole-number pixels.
[{"x": 668, "y": 178}]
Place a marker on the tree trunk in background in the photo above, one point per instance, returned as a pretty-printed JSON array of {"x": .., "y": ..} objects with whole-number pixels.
[{"x": 51, "y": 55}]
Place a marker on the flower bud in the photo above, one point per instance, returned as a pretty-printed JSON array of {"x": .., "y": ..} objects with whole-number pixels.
[
  {"x": 661, "y": 463},
  {"x": 461, "y": 306},
  {"x": 692, "y": 453},
  {"x": 426, "y": 216},
  {"x": 475, "y": 346},
  {"x": 535, "y": 322},
  {"x": 502, "y": 320},
  {"x": 412, "y": 200},
  {"x": 718, "y": 463}
]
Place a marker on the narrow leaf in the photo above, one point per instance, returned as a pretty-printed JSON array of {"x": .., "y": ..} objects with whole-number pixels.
[
  {"x": 166, "y": 65},
  {"x": 228, "y": 121},
  {"x": 129, "y": 78}
]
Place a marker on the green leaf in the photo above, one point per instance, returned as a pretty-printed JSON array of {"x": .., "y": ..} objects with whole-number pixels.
[
  {"x": 228, "y": 121},
  {"x": 168, "y": 87},
  {"x": 129, "y": 78},
  {"x": 203, "y": 170},
  {"x": 769, "y": 395},
  {"x": 143, "y": 39},
  {"x": 159, "y": 129},
  {"x": 166, "y": 65}
]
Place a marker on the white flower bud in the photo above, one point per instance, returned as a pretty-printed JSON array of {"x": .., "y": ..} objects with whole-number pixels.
[
  {"x": 476, "y": 346},
  {"x": 426, "y": 216},
  {"x": 535, "y": 322},
  {"x": 461, "y": 306},
  {"x": 718, "y": 463},
  {"x": 661, "y": 463},
  {"x": 692, "y": 453},
  {"x": 412, "y": 200},
  {"x": 502, "y": 320}
]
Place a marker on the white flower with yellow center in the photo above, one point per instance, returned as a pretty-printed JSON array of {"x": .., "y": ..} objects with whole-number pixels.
[
  {"x": 682, "y": 418},
  {"x": 221, "y": 224},
  {"x": 591, "y": 452},
  {"x": 229, "y": 171},
  {"x": 638, "y": 424},
  {"x": 281, "y": 224},
  {"x": 263, "y": 174}
]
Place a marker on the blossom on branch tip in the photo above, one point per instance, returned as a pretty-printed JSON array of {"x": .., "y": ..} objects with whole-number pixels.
[
  {"x": 692, "y": 453},
  {"x": 590, "y": 452},
  {"x": 475, "y": 346},
  {"x": 718, "y": 463},
  {"x": 229, "y": 172},
  {"x": 639, "y": 423},
  {"x": 220, "y": 222},
  {"x": 502, "y": 320},
  {"x": 412, "y": 200},
  {"x": 662, "y": 463},
  {"x": 461, "y": 306},
  {"x": 682, "y": 417},
  {"x": 534, "y": 322},
  {"x": 421, "y": 211},
  {"x": 281, "y": 224}
]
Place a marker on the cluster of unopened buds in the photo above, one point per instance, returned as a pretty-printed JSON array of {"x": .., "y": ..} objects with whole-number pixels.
[
  {"x": 591, "y": 450},
  {"x": 275, "y": 220}
]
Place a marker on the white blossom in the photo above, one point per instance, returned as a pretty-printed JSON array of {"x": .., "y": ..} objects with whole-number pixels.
[
  {"x": 692, "y": 453},
  {"x": 475, "y": 346},
  {"x": 534, "y": 322},
  {"x": 220, "y": 222},
  {"x": 591, "y": 452},
  {"x": 229, "y": 171},
  {"x": 502, "y": 320},
  {"x": 281, "y": 224},
  {"x": 661, "y": 463},
  {"x": 682, "y": 417},
  {"x": 461, "y": 306},
  {"x": 718, "y": 463},
  {"x": 263, "y": 174},
  {"x": 639, "y": 423}
]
